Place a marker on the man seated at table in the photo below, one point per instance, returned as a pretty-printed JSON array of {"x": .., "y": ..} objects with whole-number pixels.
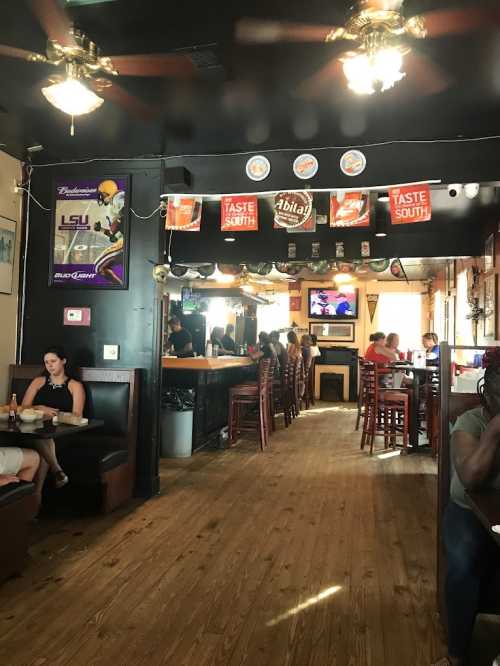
[
  {"x": 266, "y": 349},
  {"x": 473, "y": 558},
  {"x": 228, "y": 340},
  {"x": 180, "y": 339}
]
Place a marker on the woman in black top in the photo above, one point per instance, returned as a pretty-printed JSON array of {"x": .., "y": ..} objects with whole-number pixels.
[{"x": 54, "y": 391}]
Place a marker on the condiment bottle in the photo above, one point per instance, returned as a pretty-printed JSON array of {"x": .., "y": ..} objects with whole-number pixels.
[{"x": 13, "y": 409}]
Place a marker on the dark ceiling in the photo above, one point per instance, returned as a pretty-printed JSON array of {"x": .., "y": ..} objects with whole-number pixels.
[{"x": 244, "y": 97}]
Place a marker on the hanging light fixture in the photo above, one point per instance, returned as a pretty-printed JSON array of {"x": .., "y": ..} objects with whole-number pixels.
[
  {"x": 375, "y": 70},
  {"x": 71, "y": 96}
]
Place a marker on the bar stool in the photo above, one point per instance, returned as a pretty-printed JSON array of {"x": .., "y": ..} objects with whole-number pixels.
[
  {"x": 248, "y": 406},
  {"x": 386, "y": 411},
  {"x": 360, "y": 392},
  {"x": 282, "y": 394},
  {"x": 297, "y": 384}
]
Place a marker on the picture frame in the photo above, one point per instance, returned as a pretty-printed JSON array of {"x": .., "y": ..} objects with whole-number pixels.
[
  {"x": 90, "y": 233},
  {"x": 489, "y": 253},
  {"x": 333, "y": 331},
  {"x": 7, "y": 253},
  {"x": 490, "y": 306}
]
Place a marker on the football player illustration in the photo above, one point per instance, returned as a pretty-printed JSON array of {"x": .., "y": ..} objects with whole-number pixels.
[{"x": 110, "y": 196}]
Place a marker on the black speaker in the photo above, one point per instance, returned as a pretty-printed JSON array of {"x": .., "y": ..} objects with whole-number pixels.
[{"x": 177, "y": 179}]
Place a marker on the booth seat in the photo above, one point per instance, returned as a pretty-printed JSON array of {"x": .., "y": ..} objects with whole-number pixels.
[
  {"x": 104, "y": 459},
  {"x": 18, "y": 506}
]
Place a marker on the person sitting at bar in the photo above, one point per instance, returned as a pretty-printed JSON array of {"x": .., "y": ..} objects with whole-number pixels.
[
  {"x": 266, "y": 348},
  {"x": 216, "y": 338},
  {"x": 305, "y": 344},
  {"x": 280, "y": 348},
  {"x": 228, "y": 340},
  {"x": 315, "y": 350},
  {"x": 180, "y": 339},
  {"x": 473, "y": 558},
  {"x": 430, "y": 342},
  {"x": 54, "y": 391},
  {"x": 294, "y": 350},
  {"x": 378, "y": 352}
]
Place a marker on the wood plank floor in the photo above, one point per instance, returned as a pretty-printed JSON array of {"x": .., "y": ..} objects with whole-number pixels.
[{"x": 313, "y": 553}]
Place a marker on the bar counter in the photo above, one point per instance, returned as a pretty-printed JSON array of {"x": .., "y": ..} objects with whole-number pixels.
[{"x": 211, "y": 378}]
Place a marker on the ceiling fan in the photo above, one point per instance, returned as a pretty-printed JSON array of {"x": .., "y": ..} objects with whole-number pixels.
[
  {"x": 86, "y": 75},
  {"x": 381, "y": 37}
]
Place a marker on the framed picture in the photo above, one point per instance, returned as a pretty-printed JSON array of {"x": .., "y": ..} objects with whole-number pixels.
[
  {"x": 489, "y": 253},
  {"x": 332, "y": 331},
  {"x": 490, "y": 307},
  {"x": 7, "y": 253},
  {"x": 90, "y": 233}
]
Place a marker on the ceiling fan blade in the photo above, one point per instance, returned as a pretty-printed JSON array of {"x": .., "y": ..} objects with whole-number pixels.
[
  {"x": 255, "y": 31},
  {"x": 54, "y": 21},
  {"x": 13, "y": 52},
  {"x": 425, "y": 75},
  {"x": 315, "y": 85},
  {"x": 441, "y": 22},
  {"x": 154, "y": 64},
  {"x": 133, "y": 105}
]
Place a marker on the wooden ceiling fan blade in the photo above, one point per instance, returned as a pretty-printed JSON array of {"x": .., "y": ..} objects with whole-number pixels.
[
  {"x": 13, "y": 52},
  {"x": 442, "y": 22},
  {"x": 255, "y": 31},
  {"x": 54, "y": 21},
  {"x": 118, "y": 95},
  {"x": 154, "y": 64},
  {"x": 316, "y": 84},
  {"x": 425, "y": 75}
]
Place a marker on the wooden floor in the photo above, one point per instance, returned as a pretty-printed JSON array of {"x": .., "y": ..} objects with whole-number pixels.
[{"x": 313, "y": 553}]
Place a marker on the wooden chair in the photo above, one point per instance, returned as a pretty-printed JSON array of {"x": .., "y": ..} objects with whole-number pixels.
[
  {"x": 386, "y": 411},
  {"x": 308, "y": 367},
  {"x": 248, "y": 407},
  {"x": 451, "y": 406},
  {"x": 360, "y": 393},
  {"x": 282, "y": 394},
  {"x": 297, "y": 385}
]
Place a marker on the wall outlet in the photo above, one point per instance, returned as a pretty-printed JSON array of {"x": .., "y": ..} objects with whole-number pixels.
[{"x": 111, "y": 352}]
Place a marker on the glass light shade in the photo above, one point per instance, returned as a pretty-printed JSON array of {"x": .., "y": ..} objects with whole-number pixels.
[
  {"x": 381, "y": 70},
  {"x": 72, "y": 97}
]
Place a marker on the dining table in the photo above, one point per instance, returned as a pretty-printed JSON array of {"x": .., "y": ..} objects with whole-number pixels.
[
  {"x": 21, "y": 432},
  {"x": 486, "y": 505},
  {"x": 421, "y": 375}
]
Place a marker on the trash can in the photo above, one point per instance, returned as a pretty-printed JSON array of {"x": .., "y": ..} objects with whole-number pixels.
[{"x": 177, "y": 424}]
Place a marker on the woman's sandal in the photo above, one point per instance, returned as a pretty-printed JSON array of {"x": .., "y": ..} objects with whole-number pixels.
[{"x": 61, "y": 478}]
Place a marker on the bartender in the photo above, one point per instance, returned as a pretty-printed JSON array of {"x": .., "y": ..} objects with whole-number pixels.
[{"x": 180, "y": 339}]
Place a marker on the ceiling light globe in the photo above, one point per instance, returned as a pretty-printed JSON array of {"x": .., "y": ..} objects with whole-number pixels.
[{"x": 72, "y": 97}]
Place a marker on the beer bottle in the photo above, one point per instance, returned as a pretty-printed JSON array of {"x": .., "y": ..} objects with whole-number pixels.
[{"x": 13, "y": 409}]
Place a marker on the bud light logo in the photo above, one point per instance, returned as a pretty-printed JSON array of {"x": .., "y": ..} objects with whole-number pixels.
[{"x": 75, "y": 275}]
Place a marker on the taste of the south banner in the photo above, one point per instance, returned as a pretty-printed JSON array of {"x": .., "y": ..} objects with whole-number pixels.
[
  {"x": 410, "y": 204},
  {"x": 349, "y": 209},
  {"x": 239, "y": 213},
  {"x": 90, "y": 233},
  {"x": 183, "y": 213}
]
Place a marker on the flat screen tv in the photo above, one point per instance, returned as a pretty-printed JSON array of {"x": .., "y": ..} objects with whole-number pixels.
[
  {"x": 333, "y": 304},
  {"x": 190, "y": 301}
]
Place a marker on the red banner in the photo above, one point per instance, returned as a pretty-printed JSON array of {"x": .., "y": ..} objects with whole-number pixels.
[
  {"x": 239, "y": 214},
  {"x": 183, "y": 213},
  {"x": 350, "y": 210},
  {"x": 410, "y": 204}
]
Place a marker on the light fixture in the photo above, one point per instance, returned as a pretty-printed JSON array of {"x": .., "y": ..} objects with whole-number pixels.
[
  {"x": 230, "y": 239},
  {"x": 381, "y": 226},
  {"x": 247, "y": 288},
  {"x": 471, "y": 190},
  {"x": 343, "y": 278},
  {"x": 383, "y": 197},
  {"x": 221, "y": 277},
  {"x": 375, "y": 69},
  {"x": 454, "y": 190}
]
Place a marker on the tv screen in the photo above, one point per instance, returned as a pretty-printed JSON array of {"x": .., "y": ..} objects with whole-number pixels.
[
  {"x": 333, "y": 304},
  {"x": 190, "y": 301}
]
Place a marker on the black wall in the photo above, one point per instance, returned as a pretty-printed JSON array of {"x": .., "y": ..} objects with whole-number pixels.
[{"x": 130, "y": 318}]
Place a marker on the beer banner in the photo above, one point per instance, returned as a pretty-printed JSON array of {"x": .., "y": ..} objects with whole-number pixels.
[
  {"x": 239, "y": 214},
  {"x": 292, "y": 209},
  {"x": 90, "y": 233},
  {"x": 349, "y": 209},
  {"x": 410, "y": 204},
  {"x": 183, "y": 213},
  {"x": 372, "y": 301},
  {"x": 309, "y": 225}
]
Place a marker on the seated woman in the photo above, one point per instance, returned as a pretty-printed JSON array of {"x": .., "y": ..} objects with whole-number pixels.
[
  {"x": 294, "y": 350},
  {"x": 430, "y": 342},
  {"x": 473, "y": 558},
  {"x": 315, "y": 350},
  {"x": 392, "y": 343},
  {"x": 305, "y": 343},
  {"x": 378, "y": 352},
  {"x": 55, "y": 390}
]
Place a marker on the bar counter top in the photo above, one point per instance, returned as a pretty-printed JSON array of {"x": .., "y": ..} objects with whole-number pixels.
[{"x": 202, "y": 363}]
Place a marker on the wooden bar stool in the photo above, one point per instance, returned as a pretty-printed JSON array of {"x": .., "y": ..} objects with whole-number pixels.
[
  {"x": 248, "y": 407},
  {"x": 306, "y": 394},
  {"x": 386, "y": 411},
  {"x": 282, "y": 394}
]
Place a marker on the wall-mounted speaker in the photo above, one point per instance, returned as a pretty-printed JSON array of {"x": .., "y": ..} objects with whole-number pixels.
[{"x": 177, "y": 179}]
